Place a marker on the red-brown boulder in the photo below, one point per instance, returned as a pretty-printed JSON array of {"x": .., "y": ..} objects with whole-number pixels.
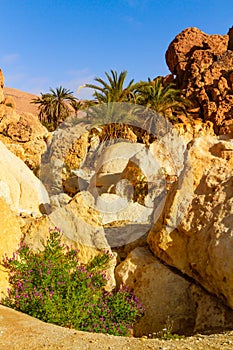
[
  {"x": 186, "y": 43},
  {"x": 203, "y": 66}
]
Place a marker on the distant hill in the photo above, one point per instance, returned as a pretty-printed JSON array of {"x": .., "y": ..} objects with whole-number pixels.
[{"x": 22, "y": 100}]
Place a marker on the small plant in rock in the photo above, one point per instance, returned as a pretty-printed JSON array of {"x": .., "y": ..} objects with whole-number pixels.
[
  {"x": 55, "y": 286},
  {"x": 167, "y": 332}
]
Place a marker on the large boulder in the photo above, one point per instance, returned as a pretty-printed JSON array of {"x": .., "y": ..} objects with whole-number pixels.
[
  {"x": 10, "y": 236},
  {"x": 79, "y": 222},
  {"x": 170, "y": 300},
  {"x": 19, "y": 187},
  {"x": 66, "y": 151},
  {"x": 162, "y": 293},
  {"x": 186, "y": 43},
  {"x": 194, "y": 232},
  {"x": 202, "y": 65}
]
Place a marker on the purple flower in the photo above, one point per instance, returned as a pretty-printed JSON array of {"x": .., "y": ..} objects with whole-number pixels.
[{"x": 20, "y": 284}]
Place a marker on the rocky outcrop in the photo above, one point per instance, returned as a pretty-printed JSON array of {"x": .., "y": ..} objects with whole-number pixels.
[
  {"x": 19, "y": 187},
  {"x": 186, "y": 44},
  {"x": 202, "y": 65},
  {"x": 170, "y": 300},
  {"x": 22, "y": 134},
  {"x": 194, "y": 232}
]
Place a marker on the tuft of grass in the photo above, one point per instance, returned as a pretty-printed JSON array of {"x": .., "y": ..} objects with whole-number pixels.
[{"x": 167, "y": 332}]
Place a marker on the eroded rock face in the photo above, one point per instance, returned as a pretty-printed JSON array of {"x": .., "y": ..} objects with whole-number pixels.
[
  {"x": 203, "y": 65},
  {"x": 198, "y": 239},
  {"x": 170, "y": 300}
]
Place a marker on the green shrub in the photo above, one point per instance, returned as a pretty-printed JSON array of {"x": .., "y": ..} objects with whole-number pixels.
[{"x": 54, "y": 286}]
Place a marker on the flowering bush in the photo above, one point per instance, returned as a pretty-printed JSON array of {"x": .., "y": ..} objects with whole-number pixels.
[{"x": 54, "y": 286}]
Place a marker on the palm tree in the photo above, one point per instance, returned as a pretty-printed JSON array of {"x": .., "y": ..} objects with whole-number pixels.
[
  {"x": 159, "y": 100},
  {"x": 54, "y": 107},
  {"x": 77, "y": 106},
  {"x": 113, "y": 90},
  {"x": 110, "y": 112},
  {"x": 165, "y": 100},
  {"x": 45, "y": 108}
]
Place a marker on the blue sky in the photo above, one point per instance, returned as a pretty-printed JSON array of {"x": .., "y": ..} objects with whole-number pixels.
[{"x": 47, "y": 43}]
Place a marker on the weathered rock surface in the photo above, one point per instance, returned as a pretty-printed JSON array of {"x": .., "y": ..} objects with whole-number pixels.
[
  {"x": 19, "y": 187},
  {"x": 194, "y": 232},
  {"x": 202, "y": 65},
  {"x": 170, "y": 300},
  {"x": 10, "y": 235}
]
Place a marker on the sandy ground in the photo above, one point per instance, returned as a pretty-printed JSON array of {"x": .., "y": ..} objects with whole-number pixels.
[{"x": 22, "y": 332}]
